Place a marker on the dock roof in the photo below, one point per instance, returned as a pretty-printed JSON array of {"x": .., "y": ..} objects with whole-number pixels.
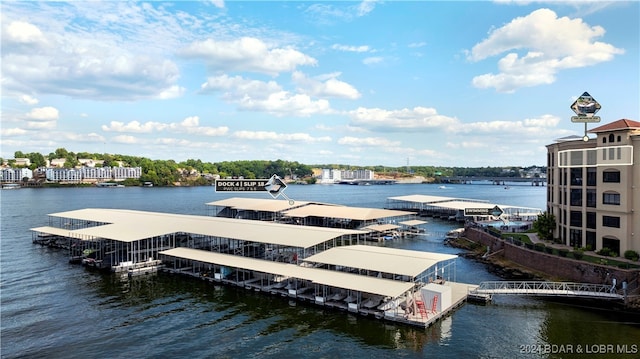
[
  {"x": 131, "y": 225},
  {"x": 257, "y": 204},
  {"x": 421, "y": 198},
  {"x": 354, "y": 213},
  {"x": 381, "y": 259},
  {"x": 373, "y": 285}
]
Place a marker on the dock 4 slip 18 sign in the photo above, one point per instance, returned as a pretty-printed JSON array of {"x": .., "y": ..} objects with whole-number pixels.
[{"x": 273, "y": 185}]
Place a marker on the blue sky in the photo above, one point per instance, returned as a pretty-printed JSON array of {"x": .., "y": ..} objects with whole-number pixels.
[{"x": 444, "y": 83}]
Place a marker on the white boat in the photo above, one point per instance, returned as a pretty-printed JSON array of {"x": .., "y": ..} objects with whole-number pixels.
[{"x": 455, "y": 233}]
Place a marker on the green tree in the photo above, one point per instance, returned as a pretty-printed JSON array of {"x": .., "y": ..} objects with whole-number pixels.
[{"x": 545, "y": 225}]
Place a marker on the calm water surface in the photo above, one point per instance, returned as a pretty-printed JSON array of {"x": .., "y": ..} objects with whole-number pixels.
[{"x": 53, "y": 309}]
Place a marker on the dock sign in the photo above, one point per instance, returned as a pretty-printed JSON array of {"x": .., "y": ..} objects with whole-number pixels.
[
  {"x": 585, "y": 107},
  {"x": 241, "y": 185},
  {"x": 275, "y": 186},
  {"x": 495, "y": 211}
]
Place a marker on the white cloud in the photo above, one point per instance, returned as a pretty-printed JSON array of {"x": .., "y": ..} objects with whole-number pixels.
[
  {"x": 125, "y": 139},
  {"x": 247, "y": 54},
  {"x": 551, "y": 44},
  {"x": 263, "y": 96},
  {"x": 365, "y": 7},
  {"x": 325, "y": 13},
  {"x": 348, "y": 48},
  {"x": 53, "y": 54},
  {"x": 540, "y": 128},
  {"x": 217, "y": 3},
  {"x": 82, "y": 137},
  {"x": 401, "y": 120},
  {"x": 23, "y": 33},
  {"x": 284, "y": 103},
  {"x": 12, "y": 132},
  {"x": 274, "y": 136},
  {"x": 331, "y": 87},
  {"x": 367, "y": 141},
  {"x": 28, "y": 100},
  {"x": 372, "y": 60},
  {"x": 414, "y": 45},
  {"x": 174, "y": 91},
  {"x": 189, "y": 125},
  {"x": 46, "y": 113}
]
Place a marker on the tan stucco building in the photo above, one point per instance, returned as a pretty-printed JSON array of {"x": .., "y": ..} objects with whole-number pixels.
[{"x": 594, "y": 188}]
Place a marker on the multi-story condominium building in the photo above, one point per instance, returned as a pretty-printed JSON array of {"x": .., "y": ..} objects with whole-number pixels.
[
  {"x": 126, "y": 172},
  {"x": 594, "y": 188},
  {"x": 357, "y": 174},
  {"x": 96, "y": 173},
  {"x": 13, "y": 175},
  {"x": 63, "y": 175}
]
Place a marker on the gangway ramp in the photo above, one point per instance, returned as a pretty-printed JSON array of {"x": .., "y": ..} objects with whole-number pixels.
[{"x": 547, "y": 289}]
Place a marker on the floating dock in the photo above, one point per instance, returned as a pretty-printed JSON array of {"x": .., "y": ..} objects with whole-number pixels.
[{"x": 332, "y": 267}]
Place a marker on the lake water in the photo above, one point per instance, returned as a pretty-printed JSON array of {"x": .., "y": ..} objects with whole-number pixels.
[{"x": 53, "y": 309}]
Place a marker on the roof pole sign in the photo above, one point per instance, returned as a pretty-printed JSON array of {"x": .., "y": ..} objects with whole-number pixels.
[
  {"x": 274, "y": 185},
  {"x": 585, "y": 108}
]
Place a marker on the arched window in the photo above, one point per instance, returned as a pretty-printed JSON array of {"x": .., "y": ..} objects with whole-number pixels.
[
  {"x": 611, "y": 176},
  {"x": 619, "y": 138},
  {"x": 604, "y": 139},
  {"x": 611, "y": 138}
]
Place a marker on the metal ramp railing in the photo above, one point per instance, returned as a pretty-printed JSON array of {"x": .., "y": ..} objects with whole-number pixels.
[{"x": 548, "y": 289}]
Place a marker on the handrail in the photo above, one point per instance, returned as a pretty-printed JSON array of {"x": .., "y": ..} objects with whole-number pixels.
[{"x": 545, "y": 288}]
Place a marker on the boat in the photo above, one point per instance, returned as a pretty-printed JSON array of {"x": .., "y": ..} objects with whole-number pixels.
[
  {"x": 454, "y": 234},
  {"x": 10, "y": 186}
]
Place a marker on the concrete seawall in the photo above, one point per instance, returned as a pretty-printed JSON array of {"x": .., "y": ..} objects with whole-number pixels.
[{"x": 556, "y": 266}]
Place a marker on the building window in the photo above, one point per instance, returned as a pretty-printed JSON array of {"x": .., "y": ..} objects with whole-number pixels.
[
  {"x": 576, "y": 197},
  {"x": 611, "y": 176},
  {"x": 604, "y": 140},
  {"x": 576, "y": 176},
  {"x": 611, "y": 198},
  {"x": 613, "y": 244},
  {"x": 610, "y": 221},
  {"x": 591, "y": 220},
  {"x": 591, "y": 241},
  {"x": 576, "y": 219},
  {"x": 619, "y": 139},
  {"x": 591, "y": 198},
  {"x": 575, "y": 238},
  {"x": 592, "y": 176},
  {"x": 610, "y": 137}
]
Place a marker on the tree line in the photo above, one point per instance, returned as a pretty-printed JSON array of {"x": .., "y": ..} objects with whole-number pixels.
[{"x": 168, "y": 172}]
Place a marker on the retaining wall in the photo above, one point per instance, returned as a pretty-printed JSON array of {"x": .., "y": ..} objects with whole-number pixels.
[{"x": 556, "y": 266}]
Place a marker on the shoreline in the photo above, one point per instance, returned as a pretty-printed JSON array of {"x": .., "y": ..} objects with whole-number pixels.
[{"x": 509, "y": 270}]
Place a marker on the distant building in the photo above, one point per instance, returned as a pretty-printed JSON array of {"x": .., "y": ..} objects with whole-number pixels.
[
  {"x": 593, "y": 188},
  {"x": 13, "y": 175},
  {"x": 126, "y": 172},
  {"x": 23, "y": 162},
  {"x": 63, "y": 175},
  {"x": 334, "y": 175},
  {"x": 96, "y": 173},
  {"x": 91, "y": 174},
  {"x": 57, "y": 162}
]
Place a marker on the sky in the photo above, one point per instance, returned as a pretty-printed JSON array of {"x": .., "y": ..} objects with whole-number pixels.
[{"x": 391, "y": 83}]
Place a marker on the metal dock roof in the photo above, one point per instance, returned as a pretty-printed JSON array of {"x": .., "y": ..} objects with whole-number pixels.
[
  {"x": 373, "y": 285},
  {"x": 382, "y": 259},
  {"x": 131, "y": 225}
]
